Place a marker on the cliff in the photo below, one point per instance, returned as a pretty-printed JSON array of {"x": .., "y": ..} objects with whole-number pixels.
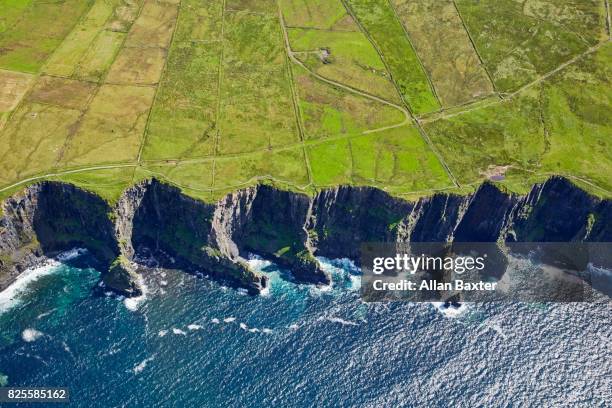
[{"x": 155, "y": 219}]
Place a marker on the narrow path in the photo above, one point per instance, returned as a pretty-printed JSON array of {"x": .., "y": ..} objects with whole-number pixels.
[
  {"x": 294, "y": 95},
  {"x": 570, "y": 176},
  {"x": 559, "y": 68},
  {"x": 608, "y": 22},
  {"x": 521, "y": 89},
  {"x": 349, "y": 88},
  {"x": 63, "y": 173}
]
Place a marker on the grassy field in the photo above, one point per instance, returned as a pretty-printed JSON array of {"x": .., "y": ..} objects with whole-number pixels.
[
  {"x": 13, "y": 86},
  {"x": 408, "y": 96},
  {"x": 317, "y": 14},
  {"x": 560, "y": 126},
  {"x": 31, "y": 30},
  {"x": 344, "y": 56},
  {"x": 382, "y": 25},
  {"x": 519, "y": 41},
  {"x": 331, "y": 112},
  {"x": 444, "y": 46}
]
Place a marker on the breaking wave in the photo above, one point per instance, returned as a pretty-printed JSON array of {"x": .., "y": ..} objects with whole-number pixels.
[{"x": 9, "y": 297}]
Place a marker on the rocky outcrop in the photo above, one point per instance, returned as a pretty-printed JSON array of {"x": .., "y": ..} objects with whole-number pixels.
[
  {"x": 271, "y": 223},
  {"x": 49, "y": 218},
  {"x": 155, "y": 219},
  {"x": 178, "y": 231},
  {"x": 342, "y": 218}
]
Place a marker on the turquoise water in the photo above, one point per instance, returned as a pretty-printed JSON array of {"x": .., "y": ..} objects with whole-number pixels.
[{"x": 190, "y": 342}]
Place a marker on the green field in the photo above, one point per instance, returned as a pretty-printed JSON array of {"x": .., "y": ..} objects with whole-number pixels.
[
  {"x": 412, "y": 97},
  {"x": 520, "y": 40}
]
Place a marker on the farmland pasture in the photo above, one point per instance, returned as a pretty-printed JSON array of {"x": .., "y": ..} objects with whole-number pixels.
[
  {"x": 346, "y": 57},
  {"x": 382, "y": 25},
  {"x": 319, "y": 14},
  {"x": 31, "y": 30},
  {"x": 520, "y": 40},
  {"x": 331, "y": 112},
  {"x": 412, "y": 97},
  {"x": 444, "y": 46}
]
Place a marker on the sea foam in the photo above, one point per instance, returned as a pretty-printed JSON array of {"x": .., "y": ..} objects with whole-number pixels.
[
  {"x": 9, "y": 297},
  {"x": 339, "y": 320},
  {"x": 133, "y": 303},
  {"x": 142, "y": 365},
  {"x": 450, "y": 311},
  {"x": 30, "y": 335}
]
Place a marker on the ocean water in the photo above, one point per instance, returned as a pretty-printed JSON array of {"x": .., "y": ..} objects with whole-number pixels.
[{"x": 193, "y": 343}]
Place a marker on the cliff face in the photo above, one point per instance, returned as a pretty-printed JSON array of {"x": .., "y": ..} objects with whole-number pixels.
[
  {"x": 48, "y": 218},
  {"x": 152, "y": 218},
  {"x": 344, "y": 217},
  {"x": 271, "y": 223},
  {"x": 178, "y": 231}
]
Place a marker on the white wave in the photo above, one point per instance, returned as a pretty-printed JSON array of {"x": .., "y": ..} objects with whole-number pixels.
[
  {"x": 30, "y": 335},
  {"x": 339, "y": 264},
  {"x": 497, "y": 329},
  {"x": 450, "y": 311},
  {"x": 71, "y": 254},
  {"x": 254, "y": 330},
  {"x": 215, "y": 320},
  {"x": 242, "y": 291},
  {"x": 321, "y": 289},
  {"x": 355, "y": 282},
  {"x": 266, "y": 330},
  {"x": 229, "y": 319},
  {"x": 133, "y": 303},
  {"x": 339, "y": 320},
  {"x": 162, "y": 333},
  {"x": 45, "y": 314},
  {"x": 66, "y": 348},
  {"x": 9, "y": 297},
  {"x": 142, "y": 365},
  {"x": 163, "y": 283},
  {"x": 265, "y": 291},
  {"x": 194, "y": 327},
  {"x": 244, "y": 326},
  {"x": 294, "y": 327},
  {"x": 257, "y": 263},
  {"x": 178, "y": 331}
]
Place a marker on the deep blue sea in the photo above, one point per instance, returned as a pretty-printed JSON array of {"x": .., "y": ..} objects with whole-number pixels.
[{"x": 193, "y": 343}]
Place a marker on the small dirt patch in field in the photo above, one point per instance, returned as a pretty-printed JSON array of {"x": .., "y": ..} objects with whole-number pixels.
[{"x": 67, "y": 93}]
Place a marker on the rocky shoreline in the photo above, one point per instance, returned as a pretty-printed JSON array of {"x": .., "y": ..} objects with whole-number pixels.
[{"x": 286, "y": 227}]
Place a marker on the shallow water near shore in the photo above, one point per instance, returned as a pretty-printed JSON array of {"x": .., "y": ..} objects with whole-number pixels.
[{"x": 191, "y": 342}]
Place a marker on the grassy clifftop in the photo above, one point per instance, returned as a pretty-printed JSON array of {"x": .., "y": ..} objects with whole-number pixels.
[{"x": 410, "y": 97}]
